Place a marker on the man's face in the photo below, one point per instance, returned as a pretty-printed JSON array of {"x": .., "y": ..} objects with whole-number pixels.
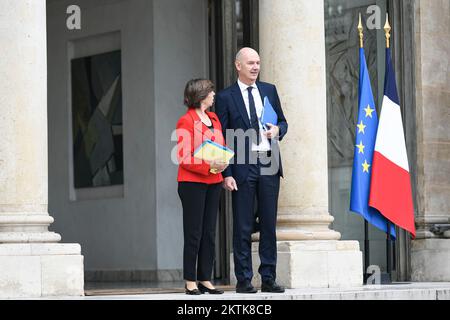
[{"x": 248, "y": 67}]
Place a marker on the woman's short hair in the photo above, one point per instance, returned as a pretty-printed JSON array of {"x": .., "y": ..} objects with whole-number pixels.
[{"x": 196, "y": 91}]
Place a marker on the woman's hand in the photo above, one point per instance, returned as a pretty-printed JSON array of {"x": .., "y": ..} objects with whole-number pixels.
[{"x": 218, "y": 166}]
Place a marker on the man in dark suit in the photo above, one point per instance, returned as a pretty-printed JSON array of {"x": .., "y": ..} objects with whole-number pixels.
[{"x": 256, "y": 173}]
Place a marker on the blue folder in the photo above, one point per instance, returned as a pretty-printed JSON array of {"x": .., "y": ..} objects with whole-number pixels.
[{"x": 268, "y": 114}]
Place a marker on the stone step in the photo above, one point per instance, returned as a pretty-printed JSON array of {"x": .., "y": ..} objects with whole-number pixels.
[{"x": 396, "y": 291}]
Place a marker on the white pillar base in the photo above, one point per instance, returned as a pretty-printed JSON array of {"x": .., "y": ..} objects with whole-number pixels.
[
  {"x": 40, "y": 270},
  {"x": 430, "y": 260},
  {"x": 313, "y": 264}
]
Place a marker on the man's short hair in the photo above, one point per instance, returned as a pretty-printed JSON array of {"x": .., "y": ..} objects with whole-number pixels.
[{"x": 238, "y": 55}]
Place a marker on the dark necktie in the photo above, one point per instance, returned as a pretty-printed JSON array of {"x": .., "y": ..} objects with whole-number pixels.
[{"x": 253, "y": 117}]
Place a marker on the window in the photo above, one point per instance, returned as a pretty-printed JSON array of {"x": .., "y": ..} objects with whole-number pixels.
[{"x": 97, "y": 120}]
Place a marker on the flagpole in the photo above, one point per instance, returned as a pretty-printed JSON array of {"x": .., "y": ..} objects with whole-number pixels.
[
  {"x": 366, "y": 224},
  {"x": 387, "y": 31}
]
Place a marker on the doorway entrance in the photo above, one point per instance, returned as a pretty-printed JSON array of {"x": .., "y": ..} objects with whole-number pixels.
[
  {"x": 342, "y": 43},
  {"x": 233, "y": 24}
]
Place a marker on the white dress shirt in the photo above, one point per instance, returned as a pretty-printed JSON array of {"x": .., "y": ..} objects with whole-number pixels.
[{"x": 265, "y": 144}]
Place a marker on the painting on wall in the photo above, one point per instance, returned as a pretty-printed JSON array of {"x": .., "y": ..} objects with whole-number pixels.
[{"x": 97, "y": 120}]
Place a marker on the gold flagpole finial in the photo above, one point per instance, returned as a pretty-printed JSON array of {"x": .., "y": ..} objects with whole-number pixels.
[
  {"x": 387, "y": 31},
  {"x": 361, "y": 35}
]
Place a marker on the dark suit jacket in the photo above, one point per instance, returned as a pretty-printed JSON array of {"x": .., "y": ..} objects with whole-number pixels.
[{"x": 230, "y": 108}]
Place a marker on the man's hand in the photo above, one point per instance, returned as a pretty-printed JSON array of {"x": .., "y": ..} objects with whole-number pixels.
[
  {"x": 230, "y": 184},
  {"x": 272, "y": 132}
]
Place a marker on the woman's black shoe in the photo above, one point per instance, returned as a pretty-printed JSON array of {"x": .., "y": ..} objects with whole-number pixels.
[
  {"x": 204, "y": 289},
  {"x": 194, "y": 292}
]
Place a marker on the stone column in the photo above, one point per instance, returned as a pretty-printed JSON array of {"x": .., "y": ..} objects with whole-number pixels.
[
  {"x": 430, "y": 252},
  {"x": 32, "y": 264},
  {"x": 292, "y": 49}
]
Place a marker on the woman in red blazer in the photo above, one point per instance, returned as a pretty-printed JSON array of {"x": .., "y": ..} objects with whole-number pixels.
[{"x": 199, "y": 186}]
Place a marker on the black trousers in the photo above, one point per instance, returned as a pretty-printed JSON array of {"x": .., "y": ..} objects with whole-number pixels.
[
  {"x": 266, "y": 189},
  {"x": 200, "y": 203}
]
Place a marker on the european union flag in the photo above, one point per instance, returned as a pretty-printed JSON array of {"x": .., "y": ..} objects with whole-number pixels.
[{"x": 366, "y": 132}]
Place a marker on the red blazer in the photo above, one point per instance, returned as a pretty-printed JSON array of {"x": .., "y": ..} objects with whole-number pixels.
[{"x": 191, "y": 133}]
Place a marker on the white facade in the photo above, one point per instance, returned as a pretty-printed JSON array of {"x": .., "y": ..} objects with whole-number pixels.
[
  {"x": 134, "y": 231},
  {"x": 124, "y": 230}
]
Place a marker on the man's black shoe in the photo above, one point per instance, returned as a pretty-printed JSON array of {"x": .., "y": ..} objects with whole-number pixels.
[
  {"x": 271, "y": 286},
  {"x": 245, "y": 288}
]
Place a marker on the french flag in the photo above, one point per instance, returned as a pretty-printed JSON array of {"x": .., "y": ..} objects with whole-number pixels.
[{"x": 390, "y": 187}]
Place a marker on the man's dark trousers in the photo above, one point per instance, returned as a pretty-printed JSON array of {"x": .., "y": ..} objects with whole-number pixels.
[{"x": 266, "y": 189}]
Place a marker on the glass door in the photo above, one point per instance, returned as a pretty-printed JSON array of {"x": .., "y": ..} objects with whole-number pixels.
[
  {"x": 342, "y": 58},
  {"x": 342, "y": 43}
]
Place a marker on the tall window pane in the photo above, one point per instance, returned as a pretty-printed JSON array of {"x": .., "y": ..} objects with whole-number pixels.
[{"x": 97, "y": 120}]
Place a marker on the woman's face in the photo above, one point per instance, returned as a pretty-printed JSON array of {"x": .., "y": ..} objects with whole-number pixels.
[{"x": 209, "y": 100}]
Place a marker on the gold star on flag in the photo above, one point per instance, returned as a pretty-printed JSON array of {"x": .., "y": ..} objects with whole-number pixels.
[
  {"x": 360, "y": 147},
  {"x": 366, "y": 166},
  {"x": 369, "y": 111},
  {"x": 361, "y": 127}
]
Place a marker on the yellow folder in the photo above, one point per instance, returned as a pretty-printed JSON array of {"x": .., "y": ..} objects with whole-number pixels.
[{"x": 211, "y": 151}]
